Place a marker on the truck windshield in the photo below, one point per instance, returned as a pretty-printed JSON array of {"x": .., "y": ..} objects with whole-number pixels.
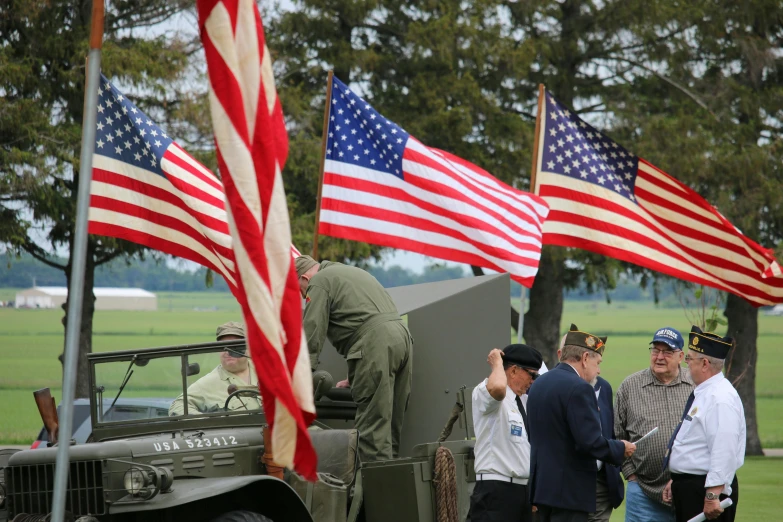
[{"x": 153, "y": 386}]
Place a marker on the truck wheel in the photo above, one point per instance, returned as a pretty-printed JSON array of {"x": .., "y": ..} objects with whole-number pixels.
[{"x": 241, "y": 516}]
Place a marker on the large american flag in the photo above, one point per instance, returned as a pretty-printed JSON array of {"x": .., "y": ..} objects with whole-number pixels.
[
  {"x": 605, "y": 199},
  {"x": 252, "y": 146},
  {"x": 383, "y": 186},
  {"x": 148, "y": 190}
]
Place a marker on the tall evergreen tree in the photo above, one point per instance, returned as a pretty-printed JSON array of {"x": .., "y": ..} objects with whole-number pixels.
[
  {"x": 43, "y": 48},
  {"x": 721, "y": 134}
]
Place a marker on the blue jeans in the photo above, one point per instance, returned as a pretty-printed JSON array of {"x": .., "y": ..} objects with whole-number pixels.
[{"x": 641, "y": 508}]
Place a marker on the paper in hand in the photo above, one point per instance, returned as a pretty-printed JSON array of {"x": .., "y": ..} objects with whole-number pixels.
[
  {"x": 701, "y": 517},
  {"x": 655, "y": 429}
]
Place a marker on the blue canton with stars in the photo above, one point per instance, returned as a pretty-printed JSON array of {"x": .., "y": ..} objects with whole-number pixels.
[
  {"x": 359, "y": 135},
  {"x": 125, "y": 133},
  {"x": 575, "y": 149}
]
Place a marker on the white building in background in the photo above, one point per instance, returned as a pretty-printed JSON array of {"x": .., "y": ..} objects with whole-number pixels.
[{"x": 105, "y": 298}]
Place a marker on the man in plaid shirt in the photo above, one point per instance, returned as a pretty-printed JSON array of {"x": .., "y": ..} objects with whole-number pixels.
[{"x": 652, "y": 397}]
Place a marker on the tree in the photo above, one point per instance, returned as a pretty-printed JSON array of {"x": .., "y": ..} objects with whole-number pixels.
[
  {"x": 726, "y": 145},
  {"x": 43, "y": 47}
]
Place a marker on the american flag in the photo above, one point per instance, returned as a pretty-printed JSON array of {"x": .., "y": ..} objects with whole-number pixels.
[
  {"x": 383, "y": 186},
  {"x": 605, "y": 199},
  {"x": 148, "y": 190},
  {"x": 252, "y": 146}
]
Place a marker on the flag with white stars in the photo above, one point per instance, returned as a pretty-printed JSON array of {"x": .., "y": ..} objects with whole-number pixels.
[
  {"x": 148, "y": 190},
  {"x": 383, "y": 186},
  {"x": 607, "y": 200}
]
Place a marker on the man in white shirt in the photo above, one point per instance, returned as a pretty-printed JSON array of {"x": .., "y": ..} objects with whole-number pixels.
[
  {"x": 502, "y": 443},
  {"x": 708, "y": 446}
]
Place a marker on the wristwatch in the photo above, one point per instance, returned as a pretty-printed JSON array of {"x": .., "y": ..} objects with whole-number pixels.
[{"x": 712, "y": 496}]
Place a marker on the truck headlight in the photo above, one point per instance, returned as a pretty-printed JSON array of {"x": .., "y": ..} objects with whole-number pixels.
[{"x": 136, "y": 482}]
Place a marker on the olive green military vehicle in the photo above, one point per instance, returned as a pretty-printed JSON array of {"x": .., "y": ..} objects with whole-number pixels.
[{"x": 209, "y": 465}]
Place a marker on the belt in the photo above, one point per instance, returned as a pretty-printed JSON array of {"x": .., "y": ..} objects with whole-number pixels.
[{"x": 501, "y": 478}]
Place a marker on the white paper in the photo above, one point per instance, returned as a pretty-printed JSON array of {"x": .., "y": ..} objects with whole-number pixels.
[
  {"x": 701, "y": 517},
  {"x": 648, "y": 434}
]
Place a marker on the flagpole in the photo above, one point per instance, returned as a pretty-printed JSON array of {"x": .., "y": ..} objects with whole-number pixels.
[
  {"x": 327, "y": 110},
  {"x": 78, "y": 259},
  {"x": 534, "y": 169},
  {"x": 521, "y": 324}
]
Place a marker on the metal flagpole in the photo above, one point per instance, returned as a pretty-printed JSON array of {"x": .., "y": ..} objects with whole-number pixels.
[
  {"x": 78, "y": 255},
  {"x": 327, "y": 111}
]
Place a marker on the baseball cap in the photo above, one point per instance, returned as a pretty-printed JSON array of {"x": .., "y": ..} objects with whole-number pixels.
[{"x": 669, "y": 336}]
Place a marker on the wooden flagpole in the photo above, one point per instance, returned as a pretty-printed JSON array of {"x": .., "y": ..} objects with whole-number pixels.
[
  {"x": 327, "y": 111},
  {"x": 534, "y": 169}
]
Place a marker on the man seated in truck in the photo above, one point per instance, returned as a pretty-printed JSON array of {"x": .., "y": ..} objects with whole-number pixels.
[{"x": 210, "y": 392}]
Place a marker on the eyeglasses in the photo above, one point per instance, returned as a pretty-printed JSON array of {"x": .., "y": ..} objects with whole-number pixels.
[
  {"x": 666, "y": 353},
  {"x": 689, "y": 358},
  {"x": 533, "y": 375}
]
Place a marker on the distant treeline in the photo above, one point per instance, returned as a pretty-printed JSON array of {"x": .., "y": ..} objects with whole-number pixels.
[
  {"x": 158, "y": 276},
  {"x": 148, "y": 274}
]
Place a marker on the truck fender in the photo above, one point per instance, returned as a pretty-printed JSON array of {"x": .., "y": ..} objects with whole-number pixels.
[{"x": 261, "y": 494}]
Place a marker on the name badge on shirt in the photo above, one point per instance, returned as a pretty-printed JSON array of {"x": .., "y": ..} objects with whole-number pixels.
[{"x": 516, "y": 431}]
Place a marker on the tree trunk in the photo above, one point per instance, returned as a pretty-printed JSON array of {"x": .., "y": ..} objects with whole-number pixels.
[
  {"x": 85, "y": 335},
  {"x": 741, "y": 364},
  {"x": 542, "y": 320}
]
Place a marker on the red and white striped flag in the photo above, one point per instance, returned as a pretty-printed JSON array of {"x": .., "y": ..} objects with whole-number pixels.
[
  {"x": 252, "y": 146},
  {"x": 604, "y": 199},
  {"x": 383, "y": 186},
  {"x": 148, "y": 190}
]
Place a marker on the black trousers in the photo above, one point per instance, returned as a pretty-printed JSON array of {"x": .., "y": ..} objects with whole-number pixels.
[
  {"x": 688, "y": 495},
  {"x": 496, "y": 501},
  {"x": 554, "y": 514}
]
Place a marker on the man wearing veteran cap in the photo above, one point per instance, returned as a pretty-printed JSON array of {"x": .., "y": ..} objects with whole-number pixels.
[
  {"x": 565, "y": 433},
  {"x": 210, "y": 392},
  {"x": 351, "y": 308},
  {"x": 708, "y": 446},
  {"x": 502, "y": 436},
  {"x": 652, "y": 398}
]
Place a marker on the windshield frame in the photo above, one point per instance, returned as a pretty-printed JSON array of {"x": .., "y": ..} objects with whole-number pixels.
[{"x": 105, "y": 430}]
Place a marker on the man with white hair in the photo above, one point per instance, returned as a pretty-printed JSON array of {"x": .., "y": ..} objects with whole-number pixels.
[
  {"x": 708, "y": 446},
  {"x": 566, "y": 438}
]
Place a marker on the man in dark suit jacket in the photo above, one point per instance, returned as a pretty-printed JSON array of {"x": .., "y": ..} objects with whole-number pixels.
[
  {"x": 565, "y": 433},
  {"x": 610, "y": 490}
]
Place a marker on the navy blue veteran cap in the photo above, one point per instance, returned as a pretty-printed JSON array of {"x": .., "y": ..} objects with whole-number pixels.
[
  {"x": 522, "y": 355},
  {"x": 669, "y": 336},
  {"x": 708, "y": 343}
]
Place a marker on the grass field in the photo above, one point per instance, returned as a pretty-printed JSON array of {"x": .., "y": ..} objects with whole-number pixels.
[{"x": 31, "y": 340}]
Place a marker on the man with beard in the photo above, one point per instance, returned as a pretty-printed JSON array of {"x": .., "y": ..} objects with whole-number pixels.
[{"x": 210, "y": 392}]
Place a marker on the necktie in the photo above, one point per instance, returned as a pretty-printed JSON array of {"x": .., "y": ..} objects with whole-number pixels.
[
  {"x": 688, "y": 405},
  {"x": 524, "y": 416}
]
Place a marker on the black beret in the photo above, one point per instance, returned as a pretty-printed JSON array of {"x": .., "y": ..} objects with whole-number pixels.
[
  {"x": 709, "y": 343},
  {"x": 585, "y": 340},
  {"x": 522, "y": 355}
]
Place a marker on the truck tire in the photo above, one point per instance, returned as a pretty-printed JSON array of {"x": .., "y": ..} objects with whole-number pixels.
[{"x": 241, "y": 516}]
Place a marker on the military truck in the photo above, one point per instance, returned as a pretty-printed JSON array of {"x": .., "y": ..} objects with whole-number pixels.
[{"x": 210, "y": 465}]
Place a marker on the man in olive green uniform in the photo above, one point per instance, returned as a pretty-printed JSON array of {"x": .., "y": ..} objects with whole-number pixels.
[
  {"x": 351, "y": 308},
  {"x": 210, "y": 392}
]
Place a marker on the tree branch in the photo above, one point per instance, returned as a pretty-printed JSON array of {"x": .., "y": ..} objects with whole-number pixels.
[
  {"x": 108, "y": 257},
  {"x": 34, "y": 250},
  {"x": 671, "y": 82}
]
